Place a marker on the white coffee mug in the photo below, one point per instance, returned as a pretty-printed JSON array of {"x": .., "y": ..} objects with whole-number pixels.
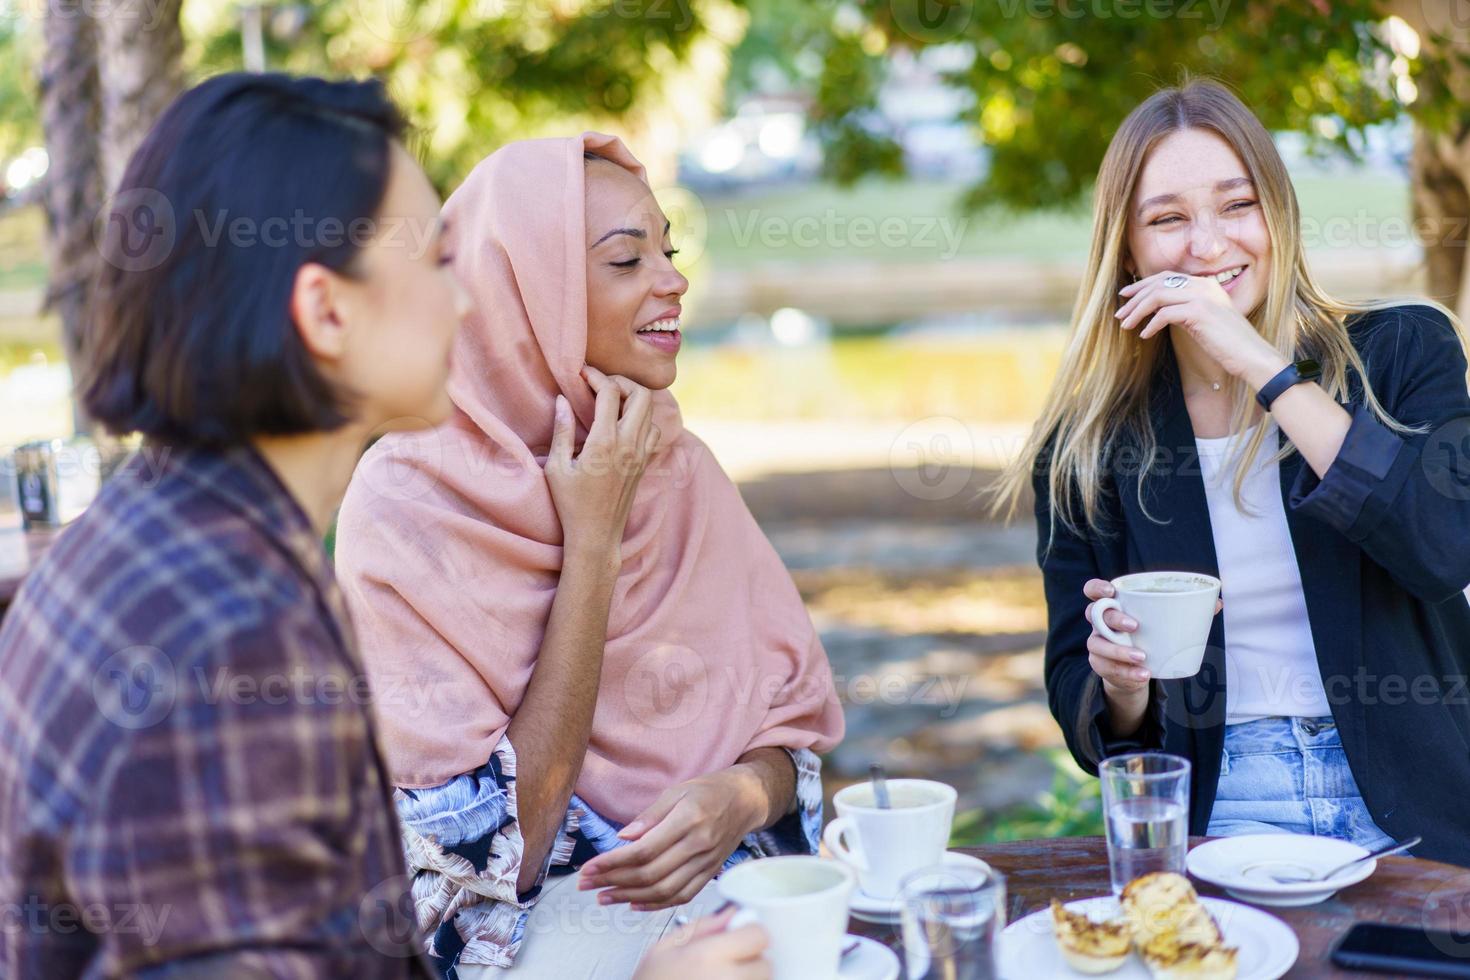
[
  {"x": 884, "y": 845},
  {"x": 1174, "y": 611},
  {"x": 802, "y": 903}
]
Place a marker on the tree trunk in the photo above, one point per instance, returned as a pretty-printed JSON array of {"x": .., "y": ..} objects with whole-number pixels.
[
  {"x": 1441, "y": 159},
  {"x": 139, "y": 48},
  {"x": 73, "y": 188},
  {"x": 1441, "y": 174},
  {"x": 103, "y": 81}
]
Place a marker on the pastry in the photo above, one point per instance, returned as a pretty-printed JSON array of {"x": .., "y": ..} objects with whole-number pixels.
[
  {"x": 1167, "y": 958},
  {"x": 1088, "y": 946},
  {"x": 1163, "y": 919},
  {"x": 1175, "y": 934},
  {"x": 1158, "y": 904}
]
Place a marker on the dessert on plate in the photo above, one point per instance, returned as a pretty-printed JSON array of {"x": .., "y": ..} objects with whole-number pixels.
[
  {"x": 1163, "y": 918},
  {"x": 1088, "y": 946}
]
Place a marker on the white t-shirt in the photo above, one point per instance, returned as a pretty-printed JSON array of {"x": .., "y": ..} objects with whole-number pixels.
[{"x": 1270, "y": 660}]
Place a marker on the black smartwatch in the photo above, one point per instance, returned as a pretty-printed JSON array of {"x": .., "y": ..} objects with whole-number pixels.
[{"x": 1292, "y": 374}]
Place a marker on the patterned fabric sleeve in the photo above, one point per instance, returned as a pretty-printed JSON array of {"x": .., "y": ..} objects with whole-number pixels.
[{"x": 464, "y": 850}]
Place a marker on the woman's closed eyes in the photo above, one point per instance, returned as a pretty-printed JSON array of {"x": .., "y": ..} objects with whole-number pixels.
[
  {"x": 1233, "y": 206},
  {"x": 630, "y": 263}
]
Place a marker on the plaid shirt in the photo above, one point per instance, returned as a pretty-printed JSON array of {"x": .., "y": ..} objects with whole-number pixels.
[{"x": 190, "y": 783}]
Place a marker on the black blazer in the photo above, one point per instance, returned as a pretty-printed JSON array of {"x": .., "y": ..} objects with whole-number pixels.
[{"x": 1383, "y": 544}]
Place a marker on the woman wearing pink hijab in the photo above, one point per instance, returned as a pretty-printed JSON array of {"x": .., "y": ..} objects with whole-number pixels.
[{"x": 596, "y": 691}]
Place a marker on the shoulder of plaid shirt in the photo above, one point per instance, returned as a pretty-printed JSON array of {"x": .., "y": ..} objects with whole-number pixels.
[{"x": 192, "y": 784}]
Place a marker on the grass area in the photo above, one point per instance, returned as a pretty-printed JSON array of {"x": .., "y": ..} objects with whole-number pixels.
[
  {"x": 855, "y": 379},
  {"x": 22, "y": 248},
  {"x": 991, "y": 377},
  {"x": 879, "y": 220},
  {"x": 876, "y": 220},
  {"x": 35, "y": 402},
  {"x": 823, "y": 223},
  {"x": 15, "y": 353}
]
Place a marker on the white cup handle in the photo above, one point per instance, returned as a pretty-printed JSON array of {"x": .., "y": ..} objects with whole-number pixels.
[
  {"x": 832, "y": 837},
  {"x": 1101, "y": 625}
]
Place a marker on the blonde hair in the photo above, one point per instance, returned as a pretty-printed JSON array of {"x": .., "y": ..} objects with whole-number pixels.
[{"x": 1102, "y": 388}]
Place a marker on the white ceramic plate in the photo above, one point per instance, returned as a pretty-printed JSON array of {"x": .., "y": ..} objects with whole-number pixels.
[
  {"x": 1242, "y": 866},
  {"x": 870, "y": 961},
  {"x": 1267, "y": 946},
  {"x": 885, "y": 910}
]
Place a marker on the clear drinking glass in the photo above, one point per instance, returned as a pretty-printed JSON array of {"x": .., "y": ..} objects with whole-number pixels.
[
  {"x": 9, "y": 495},
  {"x": 952, "y": 918},
  {"x": 1146, "y": 813}
]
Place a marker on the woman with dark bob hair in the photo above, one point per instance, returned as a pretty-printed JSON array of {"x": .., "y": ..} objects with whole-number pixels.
[
  {"x": 191, "y": 772},
  {"x": 193, "y": 783}
]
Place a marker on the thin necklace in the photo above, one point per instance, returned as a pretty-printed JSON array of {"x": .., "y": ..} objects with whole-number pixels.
[{"x": 1216, "y": 385}]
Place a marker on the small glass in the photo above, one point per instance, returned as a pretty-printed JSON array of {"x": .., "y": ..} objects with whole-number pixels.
[
  {"x": 952, "y": 918},
  {"x": 1146, "y": 813},
  {"x": 9, "y": 493}
]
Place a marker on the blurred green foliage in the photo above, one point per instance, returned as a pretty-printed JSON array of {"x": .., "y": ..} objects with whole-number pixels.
[
  {"x": 1044, "y": 83},
  {"x": 472, "y": 74},
  {"x": 20, "y": 124},
  {"x": 1071, "y": 808}
]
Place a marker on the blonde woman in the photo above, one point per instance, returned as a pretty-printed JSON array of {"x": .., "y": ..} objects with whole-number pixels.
[{"x": 1216, "y": 411}]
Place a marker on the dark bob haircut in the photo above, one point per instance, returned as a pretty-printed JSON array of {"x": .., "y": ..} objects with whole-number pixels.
[{"x": 242, "y": 180}]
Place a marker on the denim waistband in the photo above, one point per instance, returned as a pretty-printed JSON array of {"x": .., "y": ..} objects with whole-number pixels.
[{"x": 1281, "y": 735}]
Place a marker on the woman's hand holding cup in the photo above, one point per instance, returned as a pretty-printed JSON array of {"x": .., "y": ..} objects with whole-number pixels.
[
  {"x": 1179, "y": 607},
  {"x": 1121, "y": 668}
]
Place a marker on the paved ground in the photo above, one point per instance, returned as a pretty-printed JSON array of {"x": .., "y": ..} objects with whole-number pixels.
[{"x": 933, "y": 619}]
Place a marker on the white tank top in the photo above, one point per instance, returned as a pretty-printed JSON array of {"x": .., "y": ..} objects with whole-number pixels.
[{"x": 1270, "y": 660}]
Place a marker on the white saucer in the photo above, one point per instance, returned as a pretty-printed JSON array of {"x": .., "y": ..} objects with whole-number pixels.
[
  {"x": 885, "y": 910},
  {"x": 870, "y": 961},
  {"x": 1267, "y": 946},
  {"x": 1241, "y": 866}
]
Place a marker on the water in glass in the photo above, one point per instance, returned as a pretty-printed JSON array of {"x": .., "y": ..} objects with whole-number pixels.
[{"x": 1145, "y": 834}]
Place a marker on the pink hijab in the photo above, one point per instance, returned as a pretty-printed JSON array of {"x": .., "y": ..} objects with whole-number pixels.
[{"x": 449, "y": 548}]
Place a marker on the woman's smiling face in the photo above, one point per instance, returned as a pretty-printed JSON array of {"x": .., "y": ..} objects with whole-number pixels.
[
  {"x": 1195, "y": 210},
  {"x": 633, "y": 289}
]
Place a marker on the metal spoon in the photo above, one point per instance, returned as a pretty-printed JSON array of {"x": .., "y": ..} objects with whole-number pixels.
[
  {"x": 880, "y": 787},
  {"x": 1381, "y": 852}
]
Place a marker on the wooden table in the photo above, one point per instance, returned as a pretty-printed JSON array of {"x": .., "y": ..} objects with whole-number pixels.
[
  {"x": 1403, "y": 890},
  {"x": 19, "y": 553}
]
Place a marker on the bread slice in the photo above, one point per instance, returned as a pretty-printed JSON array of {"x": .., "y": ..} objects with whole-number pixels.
[
  {"x": 1088, "y": 946},
  {"x": 1169, "y": 959},
  {"x": 1198, "y": 927},
  {"x": 1174, "y": 932},
  {"x": 1159, "y": 904}
]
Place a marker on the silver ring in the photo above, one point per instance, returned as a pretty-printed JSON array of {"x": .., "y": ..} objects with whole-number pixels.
[{"x": 1176, "y": 280}]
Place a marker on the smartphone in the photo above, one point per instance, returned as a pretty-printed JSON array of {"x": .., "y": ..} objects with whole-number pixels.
[{"x": 1403, "y": 949}]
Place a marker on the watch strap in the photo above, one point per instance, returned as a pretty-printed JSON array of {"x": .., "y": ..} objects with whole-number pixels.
[{"x": 1287, "y": 377}]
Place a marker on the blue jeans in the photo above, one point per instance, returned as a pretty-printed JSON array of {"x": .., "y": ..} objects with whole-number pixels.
[{"x": 1290, "y": 775}]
